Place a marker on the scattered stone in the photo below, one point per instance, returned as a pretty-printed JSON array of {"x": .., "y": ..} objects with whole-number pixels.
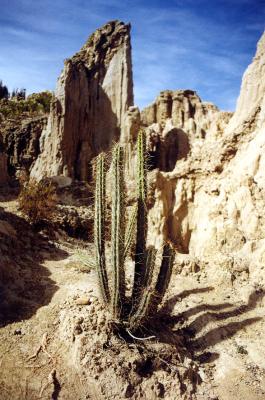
[{"x": 83, "y": 301}]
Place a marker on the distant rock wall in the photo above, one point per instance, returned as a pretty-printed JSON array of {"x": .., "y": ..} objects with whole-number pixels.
[{"x": 87, "y": 115}]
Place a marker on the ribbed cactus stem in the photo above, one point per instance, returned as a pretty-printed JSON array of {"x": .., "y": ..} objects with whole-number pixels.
[
  {"x": 165, "y": 273},
  {"x": 99, "y": 227},
  {"x": 149, "y": 267},
  {"x": 140, "y": 316},
  {"x": 117, "y": 232},
  {"x": 141, "y": 310},
  {"x": 153, "y": 292},
  {"x": 141, "y": 232},
  {"x": 130, "y": 232},
  {"x": 141, "y": 166}
]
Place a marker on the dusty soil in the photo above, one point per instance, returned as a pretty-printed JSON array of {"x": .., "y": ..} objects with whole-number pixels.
[{"x": 55, "y": 343}]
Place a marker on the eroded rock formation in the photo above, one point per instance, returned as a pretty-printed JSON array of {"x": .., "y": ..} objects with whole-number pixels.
[
  {"x": 21, "y": 142},
  {"x": 93, "y": 94},
  {"x": 212, "y": 203},
  {"x": 176, "y": 121}
]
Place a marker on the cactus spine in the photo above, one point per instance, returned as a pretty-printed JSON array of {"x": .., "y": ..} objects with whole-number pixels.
[{"x": 148, "y": 287}]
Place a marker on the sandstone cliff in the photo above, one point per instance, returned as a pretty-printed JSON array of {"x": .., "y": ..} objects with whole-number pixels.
[
  {"x": 212, "y": 203},
  {"x": 87, "y": 114}
]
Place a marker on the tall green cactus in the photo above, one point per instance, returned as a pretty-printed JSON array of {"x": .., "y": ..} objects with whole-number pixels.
[{"x": 149, "y": 285}]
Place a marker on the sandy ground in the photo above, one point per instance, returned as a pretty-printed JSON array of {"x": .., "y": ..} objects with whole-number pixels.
[{"x": 54, "y": 342}]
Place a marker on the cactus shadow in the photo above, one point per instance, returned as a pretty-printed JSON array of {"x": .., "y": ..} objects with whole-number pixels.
[
  {"x": 25, "y": 284},
  {"x": 169, "y": 304},
  {"x": 180, "y": 329}
]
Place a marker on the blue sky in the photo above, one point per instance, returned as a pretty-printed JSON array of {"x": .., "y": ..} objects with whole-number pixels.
[{"x": 178, "y": 44}]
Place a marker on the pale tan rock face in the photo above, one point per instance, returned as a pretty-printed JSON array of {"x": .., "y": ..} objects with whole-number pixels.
[
  {"x": 251, "y": 102},
  {"x": 184, "y": 109},
  {"x": 177, "y": 122},
  {"x": 212, "y": 204},
  {"x": 87, "y": 114},
  {"x": 128, "y": 139}
]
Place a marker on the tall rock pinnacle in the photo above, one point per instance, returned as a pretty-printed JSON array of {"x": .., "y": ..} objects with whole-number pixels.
[
  {"x": 251, "y": 101},
  {"x": 93, "y": 93}
]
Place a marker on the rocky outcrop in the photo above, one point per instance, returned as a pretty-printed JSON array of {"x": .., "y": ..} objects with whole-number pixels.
[
  {"x": 21, "y": 142},
  {"x": 186, "y": 111},
  {"x": 212, "y": 203},
  {"x": 88, "y": 112},
  {"x": 178, "y": 120}
]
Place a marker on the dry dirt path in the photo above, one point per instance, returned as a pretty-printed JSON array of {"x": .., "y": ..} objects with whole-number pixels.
[{"x": 54, "y": 347}]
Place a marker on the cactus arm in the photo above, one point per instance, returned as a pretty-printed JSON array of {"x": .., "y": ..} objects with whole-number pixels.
[
  {"x": 141, "y": 230},
  {"x": 164, "y": 273},
  {"x": 141, "y": 309},
  {"x": 142, "y": 312},
  {"x": 153, "y": 293},
  {"x": 130, "y": 231},
  {"x": 149, "y": 267},
  {"x": 117, "y": 233},
  {"x": 99, "y": 228}
]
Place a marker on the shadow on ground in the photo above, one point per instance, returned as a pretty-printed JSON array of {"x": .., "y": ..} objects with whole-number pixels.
[
  {"x": 178, "y": 327},
  {"x": 25, "y": 284},
  {"x": 179, "y": 349}
]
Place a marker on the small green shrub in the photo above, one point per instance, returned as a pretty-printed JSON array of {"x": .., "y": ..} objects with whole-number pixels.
[
  {"x": 37, "y": 200},
  {"x": 36, "y": 103}
]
